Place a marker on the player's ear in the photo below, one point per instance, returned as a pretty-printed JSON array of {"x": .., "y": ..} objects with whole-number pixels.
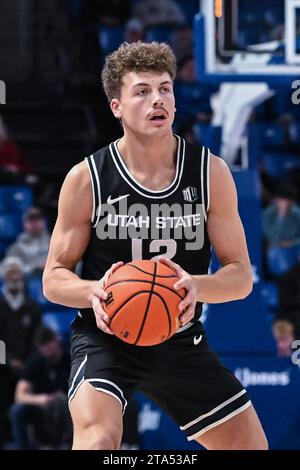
[{"x": 115, "y": 106}]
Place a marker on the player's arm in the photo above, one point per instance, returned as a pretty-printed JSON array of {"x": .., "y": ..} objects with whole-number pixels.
[
  {"x": 225, "y": 231},
  {"x": 234, "y": 280},
  {"x": 69, "y": 241}
]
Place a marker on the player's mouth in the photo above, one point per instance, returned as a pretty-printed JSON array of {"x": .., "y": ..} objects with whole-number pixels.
[{"x": 158, "y": 117}]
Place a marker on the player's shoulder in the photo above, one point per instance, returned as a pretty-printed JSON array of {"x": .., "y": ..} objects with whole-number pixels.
[
  {"x": 80, "y": 171},
  {"x": 78, "y": 174},
  {"x": 218, "y": 169},
  {"x": 222, "y": 186},
  {"x": 76, "y": 192}
]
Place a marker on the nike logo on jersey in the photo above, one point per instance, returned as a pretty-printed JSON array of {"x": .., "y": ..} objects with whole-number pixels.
[
  {"x": 197, "y": 340},
  {"x": 116, "y": 199}
]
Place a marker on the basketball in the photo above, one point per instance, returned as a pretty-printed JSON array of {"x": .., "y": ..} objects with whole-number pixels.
[{"x": 142, "y": 304}]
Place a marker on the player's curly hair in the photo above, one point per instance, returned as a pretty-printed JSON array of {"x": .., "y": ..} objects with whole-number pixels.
[{"x": 136, "y": 57}]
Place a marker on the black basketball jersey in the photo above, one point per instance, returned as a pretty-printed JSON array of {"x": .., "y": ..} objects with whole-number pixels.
[{"x": 130, "y": 221}]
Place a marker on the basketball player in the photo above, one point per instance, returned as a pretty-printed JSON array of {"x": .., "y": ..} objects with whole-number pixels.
[{"x": 149, "y": 166}]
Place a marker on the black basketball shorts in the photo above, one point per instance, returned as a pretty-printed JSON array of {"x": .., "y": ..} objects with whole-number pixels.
[{"x": 182, "y": 375}]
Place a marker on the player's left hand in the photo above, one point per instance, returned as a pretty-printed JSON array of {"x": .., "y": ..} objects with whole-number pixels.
[{"x": 186, "y": 281}]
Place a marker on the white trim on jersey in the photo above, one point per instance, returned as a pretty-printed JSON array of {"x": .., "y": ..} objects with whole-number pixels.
[
  {"x": 202, "y": 183},
  {"x": 97, "y": 209},
  {"x": 213, "y": 411},
  {"x": 76, "y": 375},
  {"x": 113, "y": 395},
  {"x": 220, "y": 421},
  {"x": 76, "y": 388},
  {"x": 154, "y": 192},
  {"x": 109, "y": 383},
  {"x": 113, "y": 385},
  {"x": 208, "y": 180},
  {"x": 93, "y": 189}
]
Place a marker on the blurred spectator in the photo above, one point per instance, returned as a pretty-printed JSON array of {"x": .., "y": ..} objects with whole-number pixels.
[
  {"x": 32, "y": 245},
  {"x": 183, "y": 42},
  {"x": 284, "y": 335},
  {"x": 192, "y": 97},
  {"x": 268, "y": 186},
  {"x": 134, "y": 31},
  {"x": 289, "y": 296},
  {"x": 158, "y": 12},
  {"x": 19, "y": 315},
  {"x": 281, "y": 220},
  {"x": 186, "y": 69},
  {"x": 19, "y": 320},
  {"x": 41, "y": 397},
  {"x": 13, "y": 165},
  {"x": 290, "y": 128}
]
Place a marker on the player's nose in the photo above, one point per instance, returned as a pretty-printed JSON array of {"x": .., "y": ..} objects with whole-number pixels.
[{"x": 157, "y": 100}]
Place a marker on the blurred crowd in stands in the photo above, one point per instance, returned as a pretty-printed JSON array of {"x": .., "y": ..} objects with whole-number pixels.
[{"x": 33, "y": 383}]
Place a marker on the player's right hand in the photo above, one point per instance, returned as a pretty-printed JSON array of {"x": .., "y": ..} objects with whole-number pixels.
[{"x": 99, "y": 294}]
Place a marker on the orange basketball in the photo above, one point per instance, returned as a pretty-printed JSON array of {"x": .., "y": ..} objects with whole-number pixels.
[{"x": 142, "y": 305}]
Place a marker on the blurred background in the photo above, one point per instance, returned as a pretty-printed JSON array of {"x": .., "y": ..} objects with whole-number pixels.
[{"x": 237, "y": 92}]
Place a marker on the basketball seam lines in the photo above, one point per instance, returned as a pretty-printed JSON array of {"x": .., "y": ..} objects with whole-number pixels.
[
  {"x": 127, "y": 300},
  {"x": 167, "y": 310},
  {"x": 149, "y": 274},
  {"x": 144, "y": 281},
  {"x": 130, "y": 298},
  {"x": 148, "y": 304}
]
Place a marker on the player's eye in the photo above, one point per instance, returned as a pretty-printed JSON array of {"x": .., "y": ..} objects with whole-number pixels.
[
  {"x": 165, "y": 89},
  {"x": 142, "y": 92}
]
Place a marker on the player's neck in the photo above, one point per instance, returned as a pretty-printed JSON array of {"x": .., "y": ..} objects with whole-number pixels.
[{"x": 148, "y": 155}]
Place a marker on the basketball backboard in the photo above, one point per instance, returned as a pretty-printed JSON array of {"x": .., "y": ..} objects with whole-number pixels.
[{"x": 252, "y": 41}]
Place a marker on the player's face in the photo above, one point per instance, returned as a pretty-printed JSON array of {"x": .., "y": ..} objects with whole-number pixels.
[{"x": 147, "y": 103}]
